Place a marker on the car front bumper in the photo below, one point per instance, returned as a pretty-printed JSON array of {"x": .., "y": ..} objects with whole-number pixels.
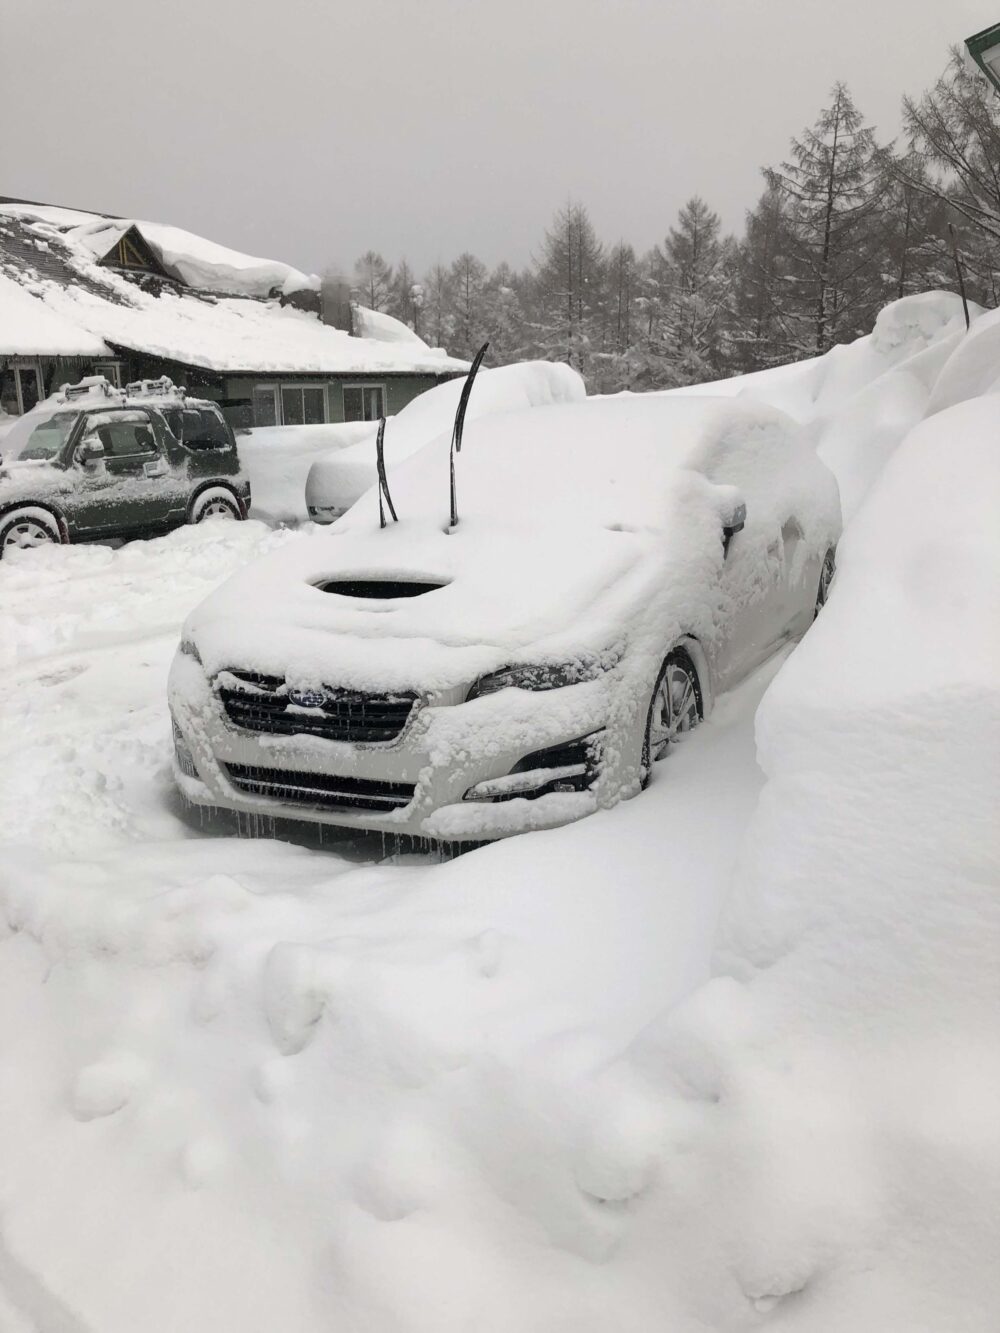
[{"x": 423, "y": 782}]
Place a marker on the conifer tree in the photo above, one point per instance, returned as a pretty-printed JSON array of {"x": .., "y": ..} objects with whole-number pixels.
[
  {"x": 373, "y": 280},
  {"x": 405, "y": 296},
  {"x": 955, "y": 130},
  {"x": 693, "y": 290},
  {"x": 757, "y": 333},
  {"x": 831, "y": 187},
  {"x": 569, "y": 288},
  {"x": 468, "y": 286},
  {"x": 437, "y": 313}
]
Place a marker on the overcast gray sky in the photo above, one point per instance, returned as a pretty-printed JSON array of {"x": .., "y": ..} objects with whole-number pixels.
[{"x": 310, "y": 131}]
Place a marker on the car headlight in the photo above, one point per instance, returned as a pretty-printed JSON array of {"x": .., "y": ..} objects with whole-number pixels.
[
  {"x": 189, "y": 648},
  {"x": 548, "y": 676}
]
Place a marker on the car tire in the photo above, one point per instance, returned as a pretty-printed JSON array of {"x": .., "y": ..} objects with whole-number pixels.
[
  {"x": 675, "y": 707},
  {"x": 825, "y": 579},
  {"x": 27, "y": 528},
  {"x": 215, "y": 502}
]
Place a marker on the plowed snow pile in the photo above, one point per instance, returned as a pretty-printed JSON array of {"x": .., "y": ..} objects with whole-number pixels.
[{"x": 258, "y": 1085}]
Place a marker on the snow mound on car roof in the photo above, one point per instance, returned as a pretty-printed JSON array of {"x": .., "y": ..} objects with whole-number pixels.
[
  {"x": 341, "y": 479},
  {"x": 599, "y": 463}
]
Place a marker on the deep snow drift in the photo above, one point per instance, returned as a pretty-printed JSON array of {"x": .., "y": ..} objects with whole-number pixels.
[
  {"x": 257, "y": 1085},
  {"x": 860, "y": 400}
]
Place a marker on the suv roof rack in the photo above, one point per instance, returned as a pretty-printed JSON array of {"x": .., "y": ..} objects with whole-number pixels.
[
  {"x": 163, "y": 387},
  {"x": 91, "y": 385}
]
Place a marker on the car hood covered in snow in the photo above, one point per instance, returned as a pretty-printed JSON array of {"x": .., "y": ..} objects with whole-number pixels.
[{"x": 570, "y": 519}]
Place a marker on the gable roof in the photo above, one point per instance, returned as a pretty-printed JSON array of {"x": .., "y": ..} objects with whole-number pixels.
[{"x": 51, "y": 254}]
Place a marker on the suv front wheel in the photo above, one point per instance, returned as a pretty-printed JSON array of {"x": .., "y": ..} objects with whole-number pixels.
[{"x": 26, "y": 528}]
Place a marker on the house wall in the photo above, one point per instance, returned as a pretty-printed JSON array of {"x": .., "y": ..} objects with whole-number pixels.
[
  {"x": 54, "y": 372},
  {"x": 399, "y": 390}
]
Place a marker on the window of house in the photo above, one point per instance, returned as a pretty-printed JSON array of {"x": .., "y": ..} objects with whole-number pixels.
[
  {"x": 128, "y": 256},
  {"x": 302, "y": 405},
  {"x": 364, "y": 402},
  {"x": 20, "y": 389},
  {"x": 8, "y": 393},
  {"x": 265, "y": 405}
]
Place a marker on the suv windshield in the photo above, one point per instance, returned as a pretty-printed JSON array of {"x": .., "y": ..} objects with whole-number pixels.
[{"x": 46, "y": 440}]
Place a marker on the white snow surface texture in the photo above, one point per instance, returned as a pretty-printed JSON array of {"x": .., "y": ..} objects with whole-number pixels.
[
  {"x": 723, "y": 1058},
  {"x": 27, "y": 327}
]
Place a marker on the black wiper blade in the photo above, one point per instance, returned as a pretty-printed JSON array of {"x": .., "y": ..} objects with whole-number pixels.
[
  {"x": 383, "y": 481},
  {"x": 456, "y": 434}
]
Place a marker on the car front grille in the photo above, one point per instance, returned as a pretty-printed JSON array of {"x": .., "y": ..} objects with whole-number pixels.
[
  {"x": 320, "y": 789},
  {"x": 257, "y": 702}
]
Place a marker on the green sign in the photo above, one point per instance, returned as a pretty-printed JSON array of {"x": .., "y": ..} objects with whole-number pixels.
[{"x": 984, "y": 48}]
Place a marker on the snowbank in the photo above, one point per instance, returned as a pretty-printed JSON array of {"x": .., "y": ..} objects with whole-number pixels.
[
  {"x": 835, "y": 1146},
  {"x": 861, "y": 399},
  {"x": 973, "y": 369},
  {"x": 278, "y": 459}
]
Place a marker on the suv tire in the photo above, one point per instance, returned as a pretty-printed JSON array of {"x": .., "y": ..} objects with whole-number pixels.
[
  {"x": 28, "y": 527},
  {"x": 214, "y": 502}
]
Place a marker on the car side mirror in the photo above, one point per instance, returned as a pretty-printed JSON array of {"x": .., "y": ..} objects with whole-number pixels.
[
  {"x": 736, "y": 523},
  {"x": 89, "y": 453}
]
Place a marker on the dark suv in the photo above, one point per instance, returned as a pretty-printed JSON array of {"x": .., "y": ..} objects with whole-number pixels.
[{"x": 111, "y": 464}]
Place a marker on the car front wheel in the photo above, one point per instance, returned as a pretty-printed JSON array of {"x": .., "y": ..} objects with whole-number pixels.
[
  {"x": 25, "y": 529},
  {"x": 676, "y": 707}
]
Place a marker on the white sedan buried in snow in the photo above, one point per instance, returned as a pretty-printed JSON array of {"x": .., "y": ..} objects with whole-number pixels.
[{"x": 615, "y": 565}]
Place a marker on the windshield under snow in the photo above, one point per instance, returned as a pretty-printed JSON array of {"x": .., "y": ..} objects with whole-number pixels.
[{"x": 45, "y": 441}]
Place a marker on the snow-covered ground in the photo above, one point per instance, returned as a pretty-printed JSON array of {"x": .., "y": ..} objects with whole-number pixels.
[{"x": 722, "y": 1058}]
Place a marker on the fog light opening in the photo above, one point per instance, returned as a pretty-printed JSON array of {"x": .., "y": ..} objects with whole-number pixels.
[{"x": 570, "y": 767}]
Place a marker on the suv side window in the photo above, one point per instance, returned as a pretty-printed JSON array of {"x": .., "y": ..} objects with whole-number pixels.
[
  {"x": 126, "y": 436},
  {"x": 204, "y": 429},
  {"x": 126, "y": 439}
]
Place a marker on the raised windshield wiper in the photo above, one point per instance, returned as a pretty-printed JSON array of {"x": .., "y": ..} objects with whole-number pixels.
[
  {"x": 383, "y": 481},
  {"x": 456, "y": 434}
]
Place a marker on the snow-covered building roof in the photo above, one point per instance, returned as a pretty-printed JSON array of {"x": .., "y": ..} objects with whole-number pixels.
[
  {"x": 199, "y": 304},
  {"x": 28, "y": 327}
]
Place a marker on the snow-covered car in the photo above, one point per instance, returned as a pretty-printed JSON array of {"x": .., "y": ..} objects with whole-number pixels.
[
  {"x": 336, "y": 481},
  {"x": 616, "y": 564},
  {"x": 93, "y": 462}
]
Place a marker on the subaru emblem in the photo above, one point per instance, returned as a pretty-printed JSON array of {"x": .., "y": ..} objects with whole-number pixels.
[{"x": 307, "y": 698}]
